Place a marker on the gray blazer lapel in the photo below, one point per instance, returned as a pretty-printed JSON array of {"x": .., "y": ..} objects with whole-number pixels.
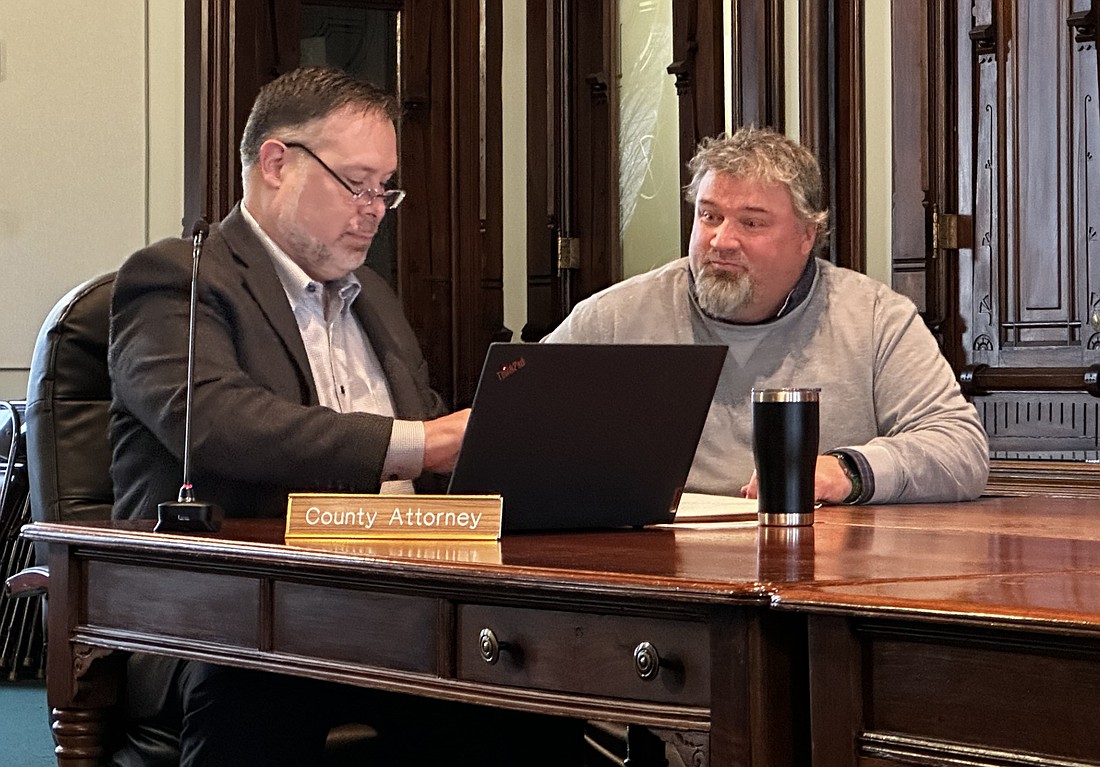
[{"x": 259, "y": 278}]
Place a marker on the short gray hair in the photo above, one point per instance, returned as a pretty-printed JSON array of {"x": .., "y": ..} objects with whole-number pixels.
[
  {"x": 761, "y": 154},
  {"x": 293, "y": 100}
]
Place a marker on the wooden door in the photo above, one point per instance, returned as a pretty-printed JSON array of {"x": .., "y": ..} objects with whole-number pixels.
[{"x": 996, "y": 195}]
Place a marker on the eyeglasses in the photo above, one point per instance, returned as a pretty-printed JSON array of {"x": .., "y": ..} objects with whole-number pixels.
[{"x": 391, "y": 198}]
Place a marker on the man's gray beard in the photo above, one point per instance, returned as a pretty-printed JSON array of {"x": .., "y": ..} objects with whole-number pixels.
[{"x": 722, "y": 294}]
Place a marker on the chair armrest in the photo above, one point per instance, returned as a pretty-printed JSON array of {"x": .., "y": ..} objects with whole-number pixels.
[{"x": 29, "y": 582}]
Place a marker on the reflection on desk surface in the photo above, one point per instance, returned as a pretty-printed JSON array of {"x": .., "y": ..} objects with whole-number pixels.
[{"x": 472, "y": 552}]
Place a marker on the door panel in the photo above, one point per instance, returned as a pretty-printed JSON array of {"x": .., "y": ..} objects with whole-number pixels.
[
  {"x": 1025, "y": 291},
  {"x": 1024, "y": 306},
  {"x": 1002, "y": 132}
]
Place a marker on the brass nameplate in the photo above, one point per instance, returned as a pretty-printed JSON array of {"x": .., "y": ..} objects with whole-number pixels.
[{"x": 440, "y": 517}]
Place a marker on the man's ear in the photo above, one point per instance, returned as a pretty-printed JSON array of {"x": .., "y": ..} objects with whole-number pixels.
[
  {"x": 809, "y": 238},
  {"x": 272, "y": 162}
]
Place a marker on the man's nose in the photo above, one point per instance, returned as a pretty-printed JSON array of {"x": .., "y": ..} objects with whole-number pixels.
[
  {"x": 371, "y": 202},
  {"x": 726, "y": 237}
]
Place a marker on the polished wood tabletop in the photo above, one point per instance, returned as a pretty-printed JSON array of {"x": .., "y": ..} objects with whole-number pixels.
[
  {"x": 1031, "y": 562},
  {"x": 839, "y": 622},
  {"x": 1038, "y": 537}
]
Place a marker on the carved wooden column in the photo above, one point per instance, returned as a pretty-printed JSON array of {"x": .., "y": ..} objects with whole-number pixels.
[{"x": 82, "y": 681}]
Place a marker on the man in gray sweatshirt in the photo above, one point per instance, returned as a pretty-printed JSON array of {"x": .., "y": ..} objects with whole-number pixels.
[{"x": 894, "y": 425}]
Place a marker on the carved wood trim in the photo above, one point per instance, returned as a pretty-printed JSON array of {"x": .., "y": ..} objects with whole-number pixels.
[
  {"x": 979, "y": 380},
  {"x": 700, "y": 85},
  {"x": 1083, "y": 23}
]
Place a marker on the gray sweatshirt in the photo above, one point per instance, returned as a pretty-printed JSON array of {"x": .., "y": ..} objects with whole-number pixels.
[{"x": 887, "y": 393}]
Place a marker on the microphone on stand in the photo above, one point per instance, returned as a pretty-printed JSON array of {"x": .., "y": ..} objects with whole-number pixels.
[{"x": 186, "y": 514}]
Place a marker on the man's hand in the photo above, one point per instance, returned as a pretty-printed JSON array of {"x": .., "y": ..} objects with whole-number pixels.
[
  {"x": 442, "y": 441},
  {"x": 831, "y": 484}
]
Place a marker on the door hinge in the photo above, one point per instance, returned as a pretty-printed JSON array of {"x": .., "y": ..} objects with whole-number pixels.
[
  {"x": 569, "y": 253},
  {"x": 951, "y": 231}
]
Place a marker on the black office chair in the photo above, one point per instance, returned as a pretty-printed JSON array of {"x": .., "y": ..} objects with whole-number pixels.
[
  {"x": 68, "y": 398},
  {"x": 69, "y": 458}
]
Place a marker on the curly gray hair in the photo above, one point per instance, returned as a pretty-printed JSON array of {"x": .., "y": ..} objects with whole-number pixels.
[{"x": 761, "y": 154}]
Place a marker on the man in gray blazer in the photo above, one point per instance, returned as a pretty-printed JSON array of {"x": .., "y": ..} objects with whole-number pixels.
[{"x": 307, "y": 378}]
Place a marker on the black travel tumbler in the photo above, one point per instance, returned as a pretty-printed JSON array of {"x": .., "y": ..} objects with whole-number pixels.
[{"x": 784, "y": 442}]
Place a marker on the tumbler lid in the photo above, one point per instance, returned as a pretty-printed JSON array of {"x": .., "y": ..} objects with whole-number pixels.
[{"x": 786, "y": 395}]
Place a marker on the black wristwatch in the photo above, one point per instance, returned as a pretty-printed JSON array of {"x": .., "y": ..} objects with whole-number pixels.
[{"x": 851, "y": 471}]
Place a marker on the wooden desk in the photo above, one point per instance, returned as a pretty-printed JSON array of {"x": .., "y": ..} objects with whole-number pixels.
[
  {"x": 568, "y": 610},
  {"x": 994, "y": 662},
  {"x": 961, "y": 634}
]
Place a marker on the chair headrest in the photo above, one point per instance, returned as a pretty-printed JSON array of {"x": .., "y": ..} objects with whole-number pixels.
[{"x": 70, "y": 353}]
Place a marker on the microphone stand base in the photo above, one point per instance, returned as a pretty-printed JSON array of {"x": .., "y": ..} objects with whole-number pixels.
[{"x": 188, "y": 517}]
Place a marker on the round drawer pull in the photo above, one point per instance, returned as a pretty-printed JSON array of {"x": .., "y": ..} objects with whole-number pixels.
[
  {"x": 489, "y": 646},
  {"x": 647, "y": 661}
]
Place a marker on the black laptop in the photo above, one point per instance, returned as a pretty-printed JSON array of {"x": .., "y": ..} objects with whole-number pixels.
[{"x": 584, "y": 436}]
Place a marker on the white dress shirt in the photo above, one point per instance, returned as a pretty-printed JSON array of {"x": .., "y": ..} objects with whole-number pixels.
[{"x": 346, "y": 371}]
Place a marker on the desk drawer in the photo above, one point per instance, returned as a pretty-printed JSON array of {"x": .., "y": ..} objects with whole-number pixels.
[
  {"x": 586, "y": 653},
  {"x": 210, "y": 607},
  {"x": 393, "y": 631}
]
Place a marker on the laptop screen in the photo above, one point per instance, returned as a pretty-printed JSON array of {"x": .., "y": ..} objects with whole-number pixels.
[{"x": 586, "y": 435}]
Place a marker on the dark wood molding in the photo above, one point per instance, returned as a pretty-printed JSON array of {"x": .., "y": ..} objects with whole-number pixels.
[
  {"x": 235, "y": 47},
  {"x": 1069, "y": 479},
  {"x": 475, "y": 191},
  {"x": 832, "y": 117},
  {"x": 980, "y": 380},
  {"x": 944, "y": 83},
  {"x": 194, "y": 115},
  {"x": 697, "y": 64},
  {"x": 813, "y": 84},
  {"x": 573, "y": 247},
  {"x": 543, "y": 139},
  {"x": 848, "y": 181},
  {"x": 217, "y": 157},
  {"x": 925, "y": 168},
  {"x": 757, "y": 76},
  {"x": 592, "y": 151}
]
